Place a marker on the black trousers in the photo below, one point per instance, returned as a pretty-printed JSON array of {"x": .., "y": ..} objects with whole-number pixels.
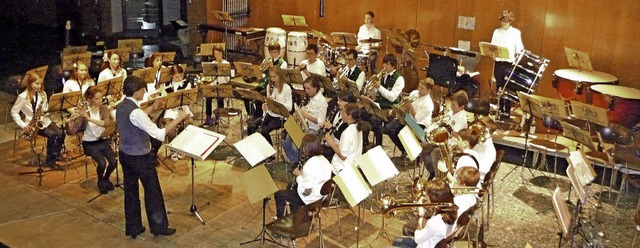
[
  {"x": 269, "y": 124},
  {"x": 284, "y": 196},
  {"x": 142, "y": 168},
  {"x": 392, "y": 129},
  {"x": 501, "y": 72},
  {"x": 207, "y": 107},
  {"x": 100, "y": 151},
  {"x": 55, "y": 138}
]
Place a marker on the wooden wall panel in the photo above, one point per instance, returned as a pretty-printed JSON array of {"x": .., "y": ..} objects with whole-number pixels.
[{"x": 606, "y": 29}]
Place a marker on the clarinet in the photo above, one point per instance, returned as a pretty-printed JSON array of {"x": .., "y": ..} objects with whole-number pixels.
[
  {"x": 303, "y": 159},
  {"x": 330, "y": 116}
]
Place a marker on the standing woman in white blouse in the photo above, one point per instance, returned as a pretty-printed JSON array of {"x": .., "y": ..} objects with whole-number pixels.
[
  {"x": 94, "y": 140},
  {"x": 350, "y": 144},
  {"x": 280, "y": 92},
  {"x": 112, "y": 67},
  {"x": 218, "y": 52},
  {"x": 80, "y": 80}
]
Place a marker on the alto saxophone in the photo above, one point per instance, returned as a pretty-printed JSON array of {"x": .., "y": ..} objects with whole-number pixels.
[{"x": 36, "y": 123}]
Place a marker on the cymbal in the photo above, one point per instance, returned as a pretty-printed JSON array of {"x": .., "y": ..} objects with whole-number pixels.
[
  {"x": 413, "y": 37},
  {"x": 370, "y": 40}
]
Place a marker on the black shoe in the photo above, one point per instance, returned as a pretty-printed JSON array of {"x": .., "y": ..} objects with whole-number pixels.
[
  {"x": 110, "y": 186},
  {"x": 103, "y": 188},
  {"x": 135, "y": 234},
  {"x": 53, "y": 165},
  {"x": 165, "y": 232},
  {"x": 403, "y": 155},
  {"x": 269, "y": 160}
]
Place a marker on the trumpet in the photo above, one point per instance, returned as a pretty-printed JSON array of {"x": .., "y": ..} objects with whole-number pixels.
[
  {"x": 368, "y": 87},
  {"x": 390, "y": 206},
  {"x": 266, "y": 64},
  {"x": 461, "y": 190}
]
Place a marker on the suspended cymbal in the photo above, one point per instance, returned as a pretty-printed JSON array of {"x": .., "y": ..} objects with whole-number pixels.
[{"x": 413, "y": 37}]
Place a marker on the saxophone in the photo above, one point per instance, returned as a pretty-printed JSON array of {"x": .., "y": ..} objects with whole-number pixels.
[{"x": 36, "y": 122}]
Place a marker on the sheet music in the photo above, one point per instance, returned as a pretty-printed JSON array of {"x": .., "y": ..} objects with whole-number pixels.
[
  {"x": 581, "y": 190},
  {"x": 258, "y": 184},
  {"x": 582, "y": 166},
  {"x": 562, "y": 211},
  {"x": 196, "y": 142},
  {"x": 376, "y": 165},
  {"x": 254, "y": 148},
  {"x": 352, "y": 185},
  {"x": 410, "y": 143}
]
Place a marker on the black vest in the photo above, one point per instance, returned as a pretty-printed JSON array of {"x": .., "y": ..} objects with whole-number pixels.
[
  {"x": 133, "y": 140},
  {"x": 265, "y": 80},
  {"x": 354, "y": 75},
  {"x": 388, "y": 84}
]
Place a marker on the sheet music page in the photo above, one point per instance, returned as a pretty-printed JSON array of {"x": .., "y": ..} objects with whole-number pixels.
[
  {"x": 376, "y": 165},
  {"x": 352, "y": 184},
  {"x": 254, "y": 148},
  {"x": 410, "y": 143},
  {"x": 562, "y": 211},
  {"x": 584, "y": 171},
  {"x": 196, "y": 142},
  {"x": 258, "y": 184},
  {"x": 581, "y": 190}
]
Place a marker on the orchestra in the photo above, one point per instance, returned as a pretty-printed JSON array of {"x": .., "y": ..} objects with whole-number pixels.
[{"x": 456, "y": 152}]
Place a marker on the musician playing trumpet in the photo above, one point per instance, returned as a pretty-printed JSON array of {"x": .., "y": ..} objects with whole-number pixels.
[
  {"x": 313, "y": 113},
  {"x": 94, "y": 141},
  {"x": 312, "y": 64},
  {"x": 388, "y": 88},
  {"x": 421, "y": 110},
  {"x": 32, "y": 99},
  {"x": 351, "y": 71}
]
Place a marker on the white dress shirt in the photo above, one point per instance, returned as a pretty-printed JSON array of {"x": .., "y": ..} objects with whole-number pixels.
[
  {"x": 93, "y": 131},
  {"x": 23, "y": 105},
  {"x": 350, "y": 147},
  {"x": 73, "y": 85},
  {"x": 284, "y": 97},
  {"x": 141, "y": 120},
  {"x": 222, "y": 79},
  {"x": 465, "y": 160},
  {"x": 424, "y": 108},
  {"x": 434, "y": 231},
  {"x": 361, "y": 77},
  {"x": 107, "y": 74},
  {"x": 315, "y": 172},
  {"x": 395, "y": 91},
  {"x": 368, "y": 33},
  {"x": 459, "y": 120},
  {"x": 464, "y": 202},
  {"x": 487, "y": 155},
  {"x": 509, "y": 38},
  {"x": 318, "y": 108},
  {"x": 316, "y": 67}
]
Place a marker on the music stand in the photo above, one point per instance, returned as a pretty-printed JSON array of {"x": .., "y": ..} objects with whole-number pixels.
[
  {"x": 354, "y": 189},
  {"x": 563, "y": 215},
  {"x": 578, "y": 59},
  {"x": 277, "y": 108},
  {"x": 494, "y": 51},
  {"x": 552, "y": 107},
  {"x": 372, "y": 107},
  {"x": 577, "y": 134},
  {"x": 348, "y": 86},
  {"x": 148, "y": 75},
  {"x": 197, "y": 143},
  {"x": 248, "y": 70},
  {"x": 326, "y": 83},
  {"x": 292, "y": 76},
  {"x": 296, "y": 127},
  {"x": 345, "y": 39},
  {"x": 69, "y": 62},
  {"x": 64, "y": 101},
  {"x": 168, "y": 57},
  {"x": 74, "y": 50},
  {"x": 411, "y": 145},
  {"x": 134, "y": 45},
  {"x": 213, "y": 69},
  {"x": 165, "y": 75},
  {"x": 583, "y": 195},
  {"x": 111, "y": 86},
  {"x": 223, "y": 17},
  {"x": 124, "y": 53},
  {"x": 589, "y": 113},
  {"x": 294, "y": 21},
  {"x": 40, "y": 71},
  {"x": 529, "y": 105}
]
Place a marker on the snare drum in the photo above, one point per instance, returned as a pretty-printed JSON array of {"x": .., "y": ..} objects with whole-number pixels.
[
  {"x": 622, "y": 102},
  {"x": 574, "y": 84},
  {"x": 296, "y": 46},
  {"x": 278, "y": 35}
]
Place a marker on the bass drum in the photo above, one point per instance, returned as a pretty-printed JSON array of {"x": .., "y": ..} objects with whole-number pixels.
[
  {"x": 277, "y": 35},
  {"x": 296, "y": 45},
  {"x": 411, "y": 77},
  {"x": 574, "y": 84}
]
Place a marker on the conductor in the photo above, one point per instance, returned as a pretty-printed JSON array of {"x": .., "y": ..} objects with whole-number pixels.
[{"x": 136, "y": 130}]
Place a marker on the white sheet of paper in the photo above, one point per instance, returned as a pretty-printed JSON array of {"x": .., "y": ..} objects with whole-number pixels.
[
  {"x": 376, "y": 165},
  {"x": 582, "y": 166},
  {"x": 410, "y": 143},
  {"x": 258, "y": 183},
  {"x": 254, "y": 148},
  {"x": 352, "y": 185},
  {"x": 196, "y": 142},
  {"x": 562, "y": 211}
]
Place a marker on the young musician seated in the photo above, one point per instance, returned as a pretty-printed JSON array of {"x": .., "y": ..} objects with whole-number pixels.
[
  {"x": 177, "y": 76},
  {"x": 154, "y": 61},
  {"x": 351, "y": 71},
  {"x": 309, "y": 179},
  {"x": 279, "y": 92},
  {"x": 218, "y": 52},
  {"x": 432, "y": 229},
  {"x": 486, "y": 154},
  {"x": 350, "y": 144},
  {"x": 80, "y": 79},
  {"x": 312, "y": 64},
  {"x": 94, "y": 140},
  {"x": 274, "y": 60},
  {"x": 112, "y": 67},
  {"x": 420, "y": 109},
  {"x": 334, "y": 123},
  {"x": 458, "y": 114},
  {"x": 387, "y": 89},
  {"x": 313, "y": 113},
  {"x": 33, "y": 102},
  {"x": 466, "y": 176}
]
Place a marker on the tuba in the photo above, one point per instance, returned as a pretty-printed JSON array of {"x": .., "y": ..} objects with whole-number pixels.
[{"x": 439, "y": 133}]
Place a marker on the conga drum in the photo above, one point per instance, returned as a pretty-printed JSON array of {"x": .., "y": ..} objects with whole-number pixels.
[
  {"x": 623, "y": 103},
  {"x": 574, "y": 84},
  {"x": 277, "y": 35},
  {"x": 296, "y": 46}
]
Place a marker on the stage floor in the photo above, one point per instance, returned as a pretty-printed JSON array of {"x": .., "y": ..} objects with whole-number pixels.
[{"x": 56, "y": 214}]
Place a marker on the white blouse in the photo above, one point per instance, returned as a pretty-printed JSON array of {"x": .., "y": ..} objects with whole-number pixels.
[
  {"x": 350, "y": 147},
  {"x": 284, "y": 97}
]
